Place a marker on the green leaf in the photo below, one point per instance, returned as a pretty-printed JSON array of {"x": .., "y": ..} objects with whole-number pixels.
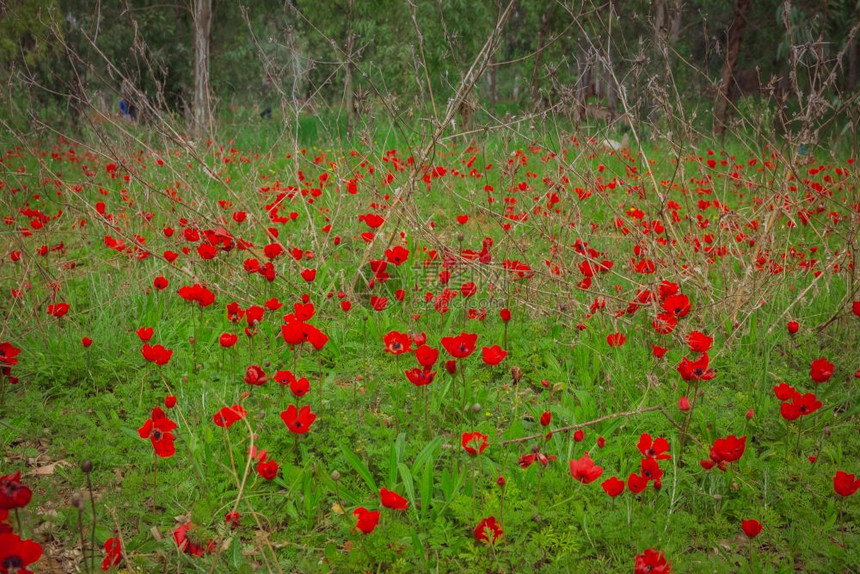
[{"x": 359, "y": 467}]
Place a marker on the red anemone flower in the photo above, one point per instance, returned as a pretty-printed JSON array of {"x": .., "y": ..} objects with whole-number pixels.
[
  {"x": 800, "y": 405},
  {"x": 299, "y": 421},
  {"x": 699, "y": 342},
  {"x": 845, "y": 484},
  {"x": 821, "y": 370},
  {"x": 158, "y": 429},
  {"x": 751, "y": 528},
  {"x": 391, "y": 499},
  {"x": 16, "y": 554},
  {"x": 186, "y": 545},
  {"x": 367, "y": 519},
  {"x": 397, "y": 343},
  {"x": 227, "y": 340},
  {"x": 616, "y": 339},
  {"x": 145, "y": 333},
  {"x": 584, "y": 470},
  {"x": 651, "y": 562},
  {"x": 426, "y": 355},
  {"x": 113, "y": 554},
  {"x": 254, "y": 375},
  {"x": 8, "y": 352},
  {"x": 420, "y": 377},
  {"x": 474, "y": 443},
  {"x": 268, "y": 469},
  {"x": 493, "y": 355},
  {"x": 793, "y": 327},
  {"x": 460, "y": 346},
  {"x": 613, "y": 486},
  {"x": 488, "y": 531},
  {"x": 783, "y": 391},
  {"x": 13, "y": 494},
  {"x": 656, "y": 449},
  {"x": 696, "y": 370},
  {"x": 725, "y": 450},
  {"x": 229, "y": 415},
  {"x": 156, "y": 354}
]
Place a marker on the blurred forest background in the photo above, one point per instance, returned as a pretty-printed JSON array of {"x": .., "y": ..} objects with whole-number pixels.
[{"x": 771, "y": 67}]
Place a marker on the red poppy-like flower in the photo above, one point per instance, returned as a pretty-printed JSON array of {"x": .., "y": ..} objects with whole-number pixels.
[
  {"x": 724, "y": 451},
  {"x": 299, "y": 421},
  {"x": 58, "y": 309},
  {"x": 300, "y": 387},
  {"x": 493, "y": 355},
  {"x": 613, "y": 486},
  {"x": 460, "y": 346},
  {"x": 268, "y": 469},
  {"x": 158, "y": 429},
  {"x": 658, "y": 351},
  {"x": 232, "y": 520},
  {"x": 845, "y": 484},
  {"x": 536, "y": 455},
  {"x": 545, "y": 418},
  {"x": 426, "y": 355},
  {"x": 156, "y": 354},
  {"x": 367, "y": 519},
  {"x": 696, "y": 370},
  {"x": 636, "y": 483},
  {"x": 254, "y": 375},
  {"x": 656, "y": 449},
  {"x": 391, "y": 499},
  {"x": 451, "y": 367},
  {"x": 800, "y": 405},
  {"x": 378, "y": 303},
  {"x": 699, "y": 342},
  {"x": 227, "y": 340},
  {"x": 86, "y": 342},
  {"x": 145, "y": 333},
  {"x": 793, "y": 327},
  {"x": 821, "y": 370},
  {"x": 16, "y": 554},
  {"x": 113, "y": 554},
  {"x": 397, "y": 255},
  {"x": 229, "y": 415},
  {"x": 397, "y": 343},
  {"x": 651, "y": 470},
  {"x": 651, "y": 562},
  {"x": 169, "y": 401},
  {"x": 160, "y": 283},
  {"x": 13, "y": 494},
  {"x": 181, "y": 535},
  {"x": 584, "y": 470},
  {"x": 197, "y": 294},
  {"x": 751, "y": 528},
  {"x": 579, "y": 435},
  {"x": 474, "y": 443},
  {"x": 420, "y": 377},
  {"x": 616, "y": 339},
  {"x": 488, "y": 531},
  {"x": 505, "y": 314},
  {"x": 783, "y": 391},
  {"x": 8, "y": 352}
]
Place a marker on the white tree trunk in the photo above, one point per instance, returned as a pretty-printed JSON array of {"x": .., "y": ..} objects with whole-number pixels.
[{"x": 201, "y": 110}]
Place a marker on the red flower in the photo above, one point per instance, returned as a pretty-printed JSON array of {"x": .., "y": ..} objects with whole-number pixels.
[
  {"x": 391, "y": 499},
  {"x": 229, "y": 415},
  {"x": 616, "y": 339},
  {"x": 397, "y": 343},
  {"x": 58, "y": 309},
  {"x": 793, "y": 327},
  {"x": 474, "y": 443},
  {"x": 659, "y": 352},
  {"x": 612, "y": 486},
  {"x": 427, "y": 356},
  {"x": 751, "y": 528},
  {"x": 268, "y": 469},
  {"x": 460, "y": 346},
  {"x": 493, "y": 355},
  {"x": 800, "y": 405},
  {"x": 505, "y": 314},
  {"x": 636, "y": 483},
  {"x": 13, "y": 494},
  {"x": 232, "y": 520},
  {"x": 420, "y": 377},
  {"x": 299, "y": 421},
  {"x": 655, "y": 449},
  {"x": 367, "y": 519},
  {"x": 536, "y": 455},
  {"x": 783, "y": 391},
  {"x": 488, "y": 531},
  {"x": 17, "y": 554},
  {"x": 169, "y": 401},
  {"x": 227, "y": 340},
  {"x": 699, "y": 342},
  {"x": 145, "y": 333},
  {"x": 584, "y": 470},
  {"x": 157, "y": 428},
  {"x": 396, "y": 255},
  {"x": 156, "y": 354},
  {"x": 309, "y": 274},
  {"x": 545, "y": 418},
  {"x": 664, "y": 323},
  {"x": 160, "y": 283},
  {"x": 8, "y": 352},
  {"x": 845, "y": 484},
  {"x": 651, "y": 470},
  {"x": 579, "y": 435},
  {"x": 186, "y": 545},
  {"x": 254, "y": 375},
  {"x": 378, "y": 303},
  {"x": 696, "y": 370},
  {"x": 725, "y": 450},
  {"x": 300, "y": 387},
  {"x": 86, "y": 342},
  {"x": 678, "y": 305},
  {"x": 113, "y": 554},
  {"x": 651, "y": 562},
  {"x": 821, "y": 370}
]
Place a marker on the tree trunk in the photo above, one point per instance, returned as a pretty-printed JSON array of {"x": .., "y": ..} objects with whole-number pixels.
[
  {"x": 544, "y": 25},
  {"x": 733, "y": 49},
  {"x": 349, "y": 93},
  {"x": 201, "y": 108}
]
